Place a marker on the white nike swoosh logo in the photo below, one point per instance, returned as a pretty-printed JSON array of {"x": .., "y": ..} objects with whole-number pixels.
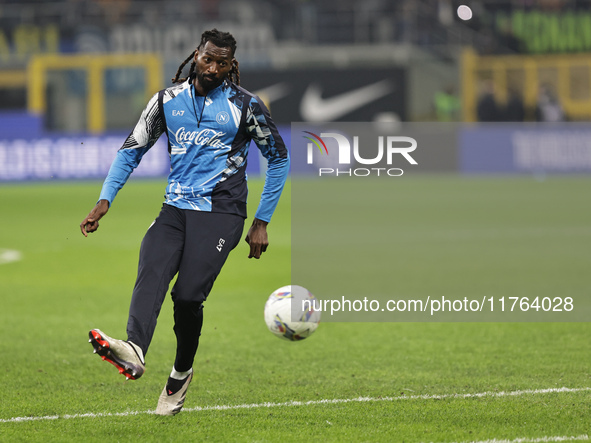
[{"x": 314, "y": 108}]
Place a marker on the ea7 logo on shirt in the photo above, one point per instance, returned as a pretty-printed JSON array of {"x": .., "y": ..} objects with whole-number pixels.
[
  {"x": 176, "y": 113},
  {"x": 222, "y": 118},
  {"x": 220, "y": 245}
]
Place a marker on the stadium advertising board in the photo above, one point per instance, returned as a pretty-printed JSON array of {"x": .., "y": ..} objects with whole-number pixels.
[
  {"x": 49, "y": 157},
  {"x": 438, "y": 147},
  {"x": 321, "y": 95},
  {"x": 533, "y": 148},
  {"x": 81, "y": 157}
]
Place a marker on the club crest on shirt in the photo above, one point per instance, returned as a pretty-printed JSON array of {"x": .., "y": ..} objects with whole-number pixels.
[{"x": 222, "y": 117}]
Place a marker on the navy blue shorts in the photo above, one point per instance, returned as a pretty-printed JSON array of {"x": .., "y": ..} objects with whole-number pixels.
[{"x": 192, "y": 244}]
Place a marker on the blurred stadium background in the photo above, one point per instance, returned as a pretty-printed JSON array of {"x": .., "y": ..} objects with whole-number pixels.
[{"x": 75, "y": 74}]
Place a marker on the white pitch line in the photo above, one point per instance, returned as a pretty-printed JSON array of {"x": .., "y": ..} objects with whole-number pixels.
[
  {"x": 9, "y": 256},
  {"x": 305, "y": 403},
  {"x": 583, "y": 437}
]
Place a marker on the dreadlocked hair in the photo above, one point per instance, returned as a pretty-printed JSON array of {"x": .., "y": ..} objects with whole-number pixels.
[
  {"x": 176, "y": 78},
  {"x": 221, "y": 40},
  {"x": 234, "y": 74}
]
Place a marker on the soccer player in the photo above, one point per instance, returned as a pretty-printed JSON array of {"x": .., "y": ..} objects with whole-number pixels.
[{"x": 209, "y": 120}]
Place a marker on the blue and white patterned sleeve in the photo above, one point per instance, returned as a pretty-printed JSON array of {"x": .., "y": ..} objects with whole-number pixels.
[
  {"x": 146, "y": 132},
  {"x": 264, "y": 133}
]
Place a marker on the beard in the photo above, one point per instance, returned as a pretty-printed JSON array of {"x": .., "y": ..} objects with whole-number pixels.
[{"x": 208, "y": 82}]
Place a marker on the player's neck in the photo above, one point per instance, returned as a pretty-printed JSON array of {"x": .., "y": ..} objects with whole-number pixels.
[{"x": 200, "y": 90}]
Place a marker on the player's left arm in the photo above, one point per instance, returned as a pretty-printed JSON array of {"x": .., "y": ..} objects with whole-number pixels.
[{"x": 264, "y": 133}]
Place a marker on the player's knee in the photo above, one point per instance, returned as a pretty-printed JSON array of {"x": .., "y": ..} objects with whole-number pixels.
[
  {"x": 188, "y": 305},
  {"x": 185, "y": 292}
]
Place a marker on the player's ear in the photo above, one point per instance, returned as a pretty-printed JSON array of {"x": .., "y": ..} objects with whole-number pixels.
[{"x": 196, "y": 54}]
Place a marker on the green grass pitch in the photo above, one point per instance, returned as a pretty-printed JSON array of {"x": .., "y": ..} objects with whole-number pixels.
[{"x": 418, "y": 377}]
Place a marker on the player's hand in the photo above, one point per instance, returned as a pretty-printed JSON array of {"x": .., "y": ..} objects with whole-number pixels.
[
  {"x": 257, "y": 238},
  {"x": 91, "y": 222}
]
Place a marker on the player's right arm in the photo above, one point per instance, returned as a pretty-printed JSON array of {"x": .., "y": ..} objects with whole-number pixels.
[
  {"x": 91, "y": 222},
  {"x": 146, "y": 132}
]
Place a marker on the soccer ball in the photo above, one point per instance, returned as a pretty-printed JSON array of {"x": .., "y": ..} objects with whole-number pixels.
[{"x": 278, "y": 313}]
